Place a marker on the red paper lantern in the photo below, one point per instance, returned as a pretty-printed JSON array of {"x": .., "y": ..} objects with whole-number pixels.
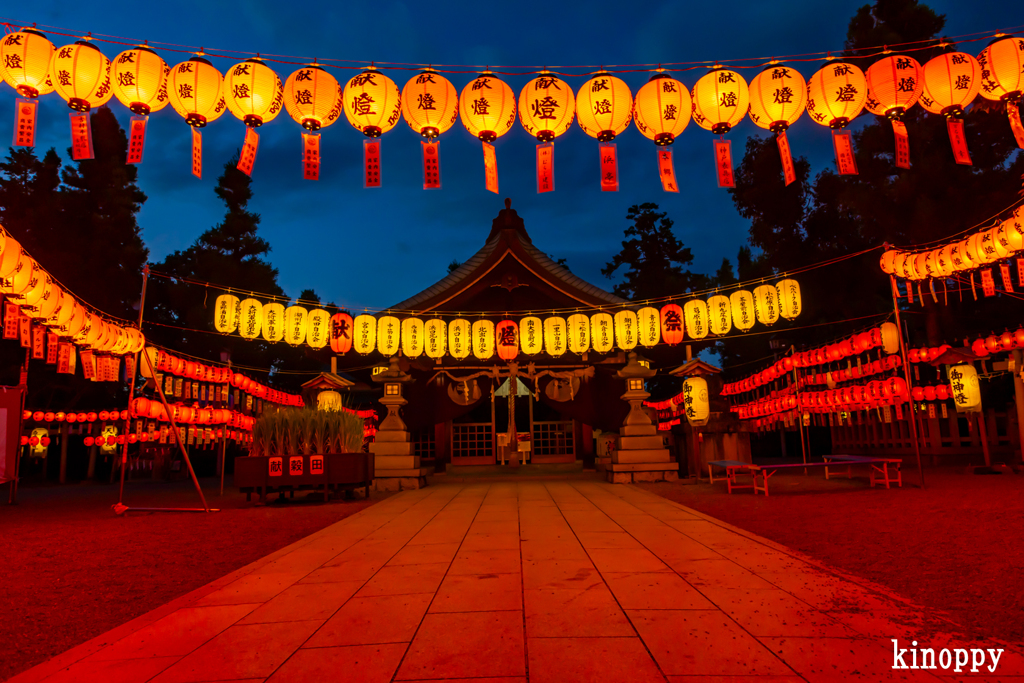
[
  {"x": 48, "y": 417},
  {"x": 88, "y": 441},
  {"x": 132, "y": 438},
  {"x": 992, "y": 343},
  {"x": 894, "y": 85},
  {"x": 672, "y": 324},
  {"x": 506, "y": 335},
  {"x": 1007, "y": 341},
  {"x": 45, "y": 440},
  {"x": 37, "y": 416},
  {"x": 103, "y": 415},
  {"x": 99, "y": 441},
  {"x": 951, "y": 82},
  {"x": 90, "y": 417},
  {"x": 978, "y": 347},
  {"x": 929, "y": 393}
]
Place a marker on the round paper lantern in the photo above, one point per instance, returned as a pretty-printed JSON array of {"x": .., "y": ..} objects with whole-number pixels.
[
  {"x": 435, "y": 338},
  {"x": 554, "y": 336},
  {"x": 546, "y": 107},
  {"x": 388, "y": 335},
  {"x": 483, "y": 339},
  {"x": 886, "y": 261},
  {"x": 507, "y": 339},
  {"x": 312, "y": 97},
  {"x": 531, "y": 335},
  {"x": 295, "y": 318},
  {"x": 365, "y": 337},
  {"x": 648, "y": 326},
  {"x": 836, "y": 94},
  {"x": 225, "y": 316},
  {"x": 662, "y": 109},
  {"x": 604, "y": 106},
  {"x": 460, "y": 342},
  {"x": 602, "y": 332},
  {"x": 18, "y": 280},
  {"x": 766, "y": 304},
  {"x": 1002, "y": 75},
  {"x": 720, "y": 100},
  {"x": 253, "y": 92},
  {"x": 695, "y": 401},
  {"x": 196, "y": 88},
  {"x": 373, "y": 104},
  {"x": 273, "y": 322},
  {"x": 25, "y": 58},
  {"x": 719, "y": 315},
  {"x": 81, "y": 75},
  {"x": 672, "y": 324},
  {"x": 341, "y": 333},
  {"x": 412, "y": 337},
  {"x": 696, "y": 314},
  {"x": 890, "y": 338},
  {"x": 894, "y": 85},
  {"x": 430, "y": 104},
  {"x": 318, "y": 328},
  {"x": 777, "y": 97},
  {"x": 1009, "y": 237},
  {"x": 487, "y": 107},
  {"x": 790, "y": 302},
  {"x": 250, "y": 318},
  {"x": 991, "y": 247},
  {"x": 578, "y": 333},
  {"x": 951, "y": 82},
  {"x": 965, "y": 388},
  {"x": 329, "y": 401},
  {"x": 626, "y": 329},
  {"x": 139, "y": 78}
]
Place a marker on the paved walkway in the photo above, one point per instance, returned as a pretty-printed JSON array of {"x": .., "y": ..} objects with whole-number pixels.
[{"x": 542, "y": 581}]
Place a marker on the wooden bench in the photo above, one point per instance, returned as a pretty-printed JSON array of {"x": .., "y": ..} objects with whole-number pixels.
[
  {"x": 880, "y": 470},
  {"x": 731, "y": 468},
  {"x": 879, "y": 467}
]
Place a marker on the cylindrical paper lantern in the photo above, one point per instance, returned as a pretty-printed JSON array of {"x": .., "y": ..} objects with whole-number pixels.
[
  {"x": 273, "y": 322},
  {"x": 578, "y": 332},
  {"x": 720, "y": 100},
  {"x": 372, "y": 103},
  {"x": 602, "y": 332},
  {"x": 295, "y": 318},
  {"x": 546, "y": 107},
  {"x": 388, "y": 335},
  {"x": 554, "y": 336},
  {"x": 695, "y": 401},
  {"x": 196, "y": 91},
  {"x": 743, "y": 315},
  {"x": 341, "y": 332},
  {"x": 487, "y": 107},
  {"x": 719, "y": 315},
  {"x": 313, "y": 97},
  {"x": 965, "y": 388},
  {"x": 626, "y": 330},
  {"x": 696, "y": 314},
  {"x": 604, "y": 106},
  {"x": 412, "y": 337},
  {"x": 460, "y": 342},
  {"x": 894, "y": 85},
  {"x": 531, "y": 335},
  {"x": 435, "y": 338},
  {"x": 777, "y": 97},
  {"x": 836, "y": 94},
  {"x": 430, "y": 104},
  {"x": 662, "y": 109},
  {"x": 25, "y": 58},
  {"x": 139, "y": 78},
  {"x": 250, "y": 318},
  {"x": 483, "y": 339},
  {"x": 318, "y": 328},
  {"x": 253, "y": 92},
  {"x": 507, "y": 339},
  {"x": 672, "y": 330},
  {"x": 225, "y": 316},
  {"x": 790, "y": 301},
  {"x": 766, "y": 304},
  {"x": 81, "y": 75},
  {"x": 365, "y": 339},
  {"x": 649, "y": 326},
  {"x": 951, "y": 82}
]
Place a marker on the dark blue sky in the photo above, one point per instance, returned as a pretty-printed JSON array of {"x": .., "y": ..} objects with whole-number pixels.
[{"x": 335, "y": 236}]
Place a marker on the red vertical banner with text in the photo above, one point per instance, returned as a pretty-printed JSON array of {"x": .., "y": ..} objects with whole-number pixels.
[
  {"x": 667, "y": 170},
  {"x": 311, "y": 156},
  {"x": 247, "y": 159},
  {"x": 1004, "y": 271},
  {"x": 25, "y": 112},
  {"x": 788, "y": 171},
  {"x": 899, "y": 130},
  {"x": 546, "y": 167},
  {"x": 987, "y": 284},
  {"x": 25, "y": 331},
  {"x": 842, "y": 142},
  {"x": 490, "y": 168},
  {"x": 88, "y": 365},
  {"x": 136, "y": 139},
  {"x": 431, "y": 164},
  {"x": 11, "y": 315},
  {"x": 723, "y": 163},
  {"x": 609, "y": 167},
  {"x": 81, "y": 136},
  {"x": 958, "y": 141},
  {"x": 51, "y": 348},
  {"x": 1020, "y": 272},
  {"x": 197, "y": 153},
  {"x": 1013, "y": 113},
  {"x": 371, "y": 163},
  {"x": 38, "y": 342},
  {"x": 64, "y": 359}
]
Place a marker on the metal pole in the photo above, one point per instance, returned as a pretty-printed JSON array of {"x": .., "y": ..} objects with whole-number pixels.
[
  {"x": 12, "y": 497},
  {"x": 131, "y": 387},
  {"x": 799, "y": 410},
  {"x": 906, "y": 376},
  {"x": 1018, "y": 395},
  {"x": 223, "y": 457}
]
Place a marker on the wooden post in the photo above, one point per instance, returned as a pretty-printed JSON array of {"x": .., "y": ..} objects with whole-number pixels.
[
  {"x": 906, "y": 375},
  {"x": 131, "y": 386},
  {"x": 983, "y": 435},
  {"x": 1018, "y": 396},
  {"x": 65, "y": 434}
]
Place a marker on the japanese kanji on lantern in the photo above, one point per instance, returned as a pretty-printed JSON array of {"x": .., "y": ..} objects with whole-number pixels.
[
  {"x": 250, "y": 318},
  {"x": 662, "y": 111},
  {"x": 412, "y": 337},
  {"x": 777, "y": 98},
  {"x": 835, "y": 96},
  {"x": 531, "y": 335},
  {"x": 487, "y": 107},
  {"x": 225, "y": 318},
  {"x": 672, "y": 330},
  {"x": 578, "y": 333},
  {"x": 1002, "y": 78},
  {"x": 139, "y": 78},
  {"x": 696, "y": 314},
  {"x": 313, "y": 99},
  {"x": 388, "y": 335},
  {"x": 365, "y": 339},
  {"x": 950, "y": 82},
  {"x": 295, "y": 319},
  {"x": 720, "y": 100},
  {"x": 695, "y": 401},
  {"x": 507, "y": 339},
  {"x": 742, "y": 304},
  {"x": 25, "y": 58},
  {"x": 459, "y": 341},
  {"x": 341, "y": 332},
  {"x": 648, "y": 326},
  {"x": 273, "y": 322},
  {"x": 435, "y": 338},
  {"x": 254, "y": 95},
  {"x": 318, "y": 328},
  {"x": 965, "y": 388},
  {"x": 430, "y": 105},
  {"x": 546, "y": 110},
  {"x": 482, "y": 333},
  {"x": 602, "y": 332},
  {"x": 195, "y": 89},
  {"x": 719, "y": 315},
  {"x": 81, "y": 76},
  {"x": 554, "y": 336},
  {"x": 604, "y": 108},
  {"x": 625, "y": 329},
  {"x": 790, "y": 300},
  {"x": 373, "y": 106},
  {"x": 895, "y": 84}
]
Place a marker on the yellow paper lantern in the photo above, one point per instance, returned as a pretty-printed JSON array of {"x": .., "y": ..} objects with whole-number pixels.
[
  {"x": 950, "y": 82},
  {"x": 19, "y": 278},
  {"x": 313, "y": 97},
  {"x": 295, "y": 318},
  {"x": 412, "y": 337},
  {"x": 890, "y": 338},
  {"x": 196, "y": 91},
  {"x": 695, "y": 401},
  {"x": 1009, "y": 236},
  {"x": 791, "y": 303},
  {"x": 328, "y": 401},
  {"x": 777, "y": 97},
  {"x": 388, "y": 335},
  {"x": 719, "y": 315},
  {"x": 531, "y": 335},
  {"x": 47, "y": 306},
  {"x": 554, "y": 336},
  {"x": 81, "y": 75},
  {"x": 435, "y": 338},
  {"x": 373, "y": 104},
  {"x": 365, "y": 338},
  {"x": 720, "y": 100},
  {"x": 602, "y": 332},
  {"x": 991, "y": 247},
  {"x": 578, "y": 333},
  {"x": 430, "y": 104},
  {"x": 487, "y": 107},
  {"x": 253, "y": 92},
  {"x": 604, "y": 107},
  {"x": 546, "y": 107},
  {"x": 766, "y": 304},
  {"x": 250, "y": 318},
  {"x": 649, "y": 326},
  {"x": 25, "y": 58},
  {"x": 460, "y": 342},
  {"x": 33, "y": 292},
  {"x": 965, "y": 388},
  {"x": 1002, "y": 75},
  {"x": 662, "y": 109},
  {"x": 895, "y": 85},
  {"x": 626, "y": 330},
  {"x": 139, "y": 77},
  {"x": 836, "y": 94},
  {"x": 944, "y": 260},
  {"x": 225, "y": 313},
  {"x": 318, "y": 328},
  {"x": 273, "y": 322},
  {"x": 695, "y": 312},
  {"x": 483, "y": 339}
]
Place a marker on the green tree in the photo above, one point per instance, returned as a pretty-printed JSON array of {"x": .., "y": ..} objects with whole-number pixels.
[{"x": 29, "y": 201}]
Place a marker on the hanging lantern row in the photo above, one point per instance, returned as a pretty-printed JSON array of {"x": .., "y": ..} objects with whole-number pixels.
[
  {"x": 155, "y": 410},
  {"x": 996, "y": 343},
  {"x": 874, "y": 394},
  {"x": 60, "y": 416},
  {"x": 831, "y": 378}
]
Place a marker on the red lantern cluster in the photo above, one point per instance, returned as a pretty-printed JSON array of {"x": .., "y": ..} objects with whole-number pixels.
[
  {"x": 102, "y": 416},
  {"x": 168, "y": 362},
  {"x": 154, "y": 410},
  {"x": 875, "y": 367},
  {"x": 874, "y": 394},
  {"x": 997, "y": 343}
]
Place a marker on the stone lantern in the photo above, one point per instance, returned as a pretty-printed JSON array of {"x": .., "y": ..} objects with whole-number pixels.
[
  {"x": 396, "y": 467},
  {"x": 641, "y": 454}
]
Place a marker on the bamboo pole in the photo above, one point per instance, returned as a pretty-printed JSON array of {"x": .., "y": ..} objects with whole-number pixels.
[
  {"x": 1018, "y": 395},
  {"x": 906, "y": 375},
  {"x": 131, "y": 386}
]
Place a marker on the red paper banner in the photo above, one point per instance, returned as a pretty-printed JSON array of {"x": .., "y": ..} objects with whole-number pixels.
[
  {"x": 788, "y": 172},
  {"x": 842, "y": 141},
  {"x": 490, "y": 168},
  {"x": 667, "y": 170},
  {"x": 38, "y": 342},
  {"x": 987, "y": 284},
  {"x": 1020, "y": 272},
  {"x": 910, "y": 293},
  {"x": 88, "y": 364},
  {"x": 51, "y": 348},
  {"x": 1004, "y": 271},
  {"x": 371, "y": 163},
  {"x": 81, "y": 136},
  {"x": 609, "y": 167},
  {"x": 1013, "y": 112},
  {"x": 64, "y": 358},
  {"x": 899, "y": 412},
  {"x": 11, "y": 315},
  {"x": 958, "y": 141},
  {"x": 25, "y": 122},
  {"x": 311, "y": 156},
  {"x": 902, "y": 144},
  {"x": 25, "y": 331},
  {"x": 129, "y": 369},
  {"x": 723, "y": 163},
  {"x": 546, "y": 167},
  {"x": 197, "y": 153},
  {"x": 247, "y": 158},
  {"x": 136, "y": 139},
  {"x": 431, "y": 164}
]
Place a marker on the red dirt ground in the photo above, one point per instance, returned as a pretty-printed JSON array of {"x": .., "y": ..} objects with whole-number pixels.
[
  {"x": 72, "y": 570},
  {"x": 957, "y": 546}
]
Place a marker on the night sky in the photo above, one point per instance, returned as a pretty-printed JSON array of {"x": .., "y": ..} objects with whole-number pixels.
[{"x": 374, "y": 247}]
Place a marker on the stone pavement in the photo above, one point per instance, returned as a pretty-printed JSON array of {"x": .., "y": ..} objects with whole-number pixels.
[{"x": 569, "y": 580}]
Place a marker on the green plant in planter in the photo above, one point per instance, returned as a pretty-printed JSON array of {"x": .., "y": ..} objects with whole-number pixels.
[{"x": 294, "y": 431}]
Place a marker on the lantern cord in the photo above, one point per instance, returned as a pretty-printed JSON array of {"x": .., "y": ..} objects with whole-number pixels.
[{"x": 949, "y": 238}]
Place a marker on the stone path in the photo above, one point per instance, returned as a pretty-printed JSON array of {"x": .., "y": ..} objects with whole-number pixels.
[{"x": 541, "y": 581}]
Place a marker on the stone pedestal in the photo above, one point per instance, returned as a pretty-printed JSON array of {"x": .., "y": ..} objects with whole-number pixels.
[
  {"x": 640, "y": 454},
  {"x": 395, "y": 466}
]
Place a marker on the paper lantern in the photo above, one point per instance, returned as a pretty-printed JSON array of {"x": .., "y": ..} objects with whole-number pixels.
[
  {"x": 965, "y": 388},
  {"x": 720, "y": 100},
  {"x": 81, "y": 75},
  {"x": 430, "y": 104},
  {"x": 328, "y": 401},
  {"x": 791, "y": 303},
  {"x": 373, "y": 104},
  {"x": 412, "y": 337},
  {"x": 139, "y": 78},
  {"x": 951, "y": 82},
  {"x": 531, "y": 335},
  {"x": 894, "y": 85},
  {"x": 719, "y": 315},
  {"x": 695, "y": 401},
  {"x": 25, "y": 58},
  {"x": 318, "y": 328},
  {"x": 295, "y": 319},
  {"x": 1002, "y": 75},
  {"x": 196, "y": 88},
  {"x": 250, "y": 318},
  {"x": 253, "y": 92},
  {"x": 273, "y": 322},
  {"x": 742, "y": 303},
  {"x": 435, "y": 338},
  {"x": 604, "y": 106},
  {"x": 388, "y": 335},
  {"x": 696, "y": 314},
  {"x": 578, "y": 333},
  {"x": 507, "y": 339},
  {"x": 487, "y": 107},
  {"x": 766, "y": 304},
  {"x": 546, "y": 107},
  {"x": 602, "y": 332},
  {"x": 460, "y": 343},
  {"x": 836, "y": 94},
  {"x": 991, "y": 247},
  {"x": 777, "y": 97},
  {"x": 662, "y": 109},
  {"x": 483, "y": 339},
  {"x": 672, "y": 330},
  {"x": 341, "y": 333},
  {"x": 225, "y": 316},
  {"x": 312, "y": 97},
  {"x": 365, "y": 339},
  {"x": 648, "y": 326},
  {"x": 555, "y": 341},
  {"x": 626, "y": 330},
  {"x": 1009, "y": 237}
]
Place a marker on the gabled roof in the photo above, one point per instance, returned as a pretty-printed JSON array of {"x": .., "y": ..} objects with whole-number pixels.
[{"x": 694, "y": 368}]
